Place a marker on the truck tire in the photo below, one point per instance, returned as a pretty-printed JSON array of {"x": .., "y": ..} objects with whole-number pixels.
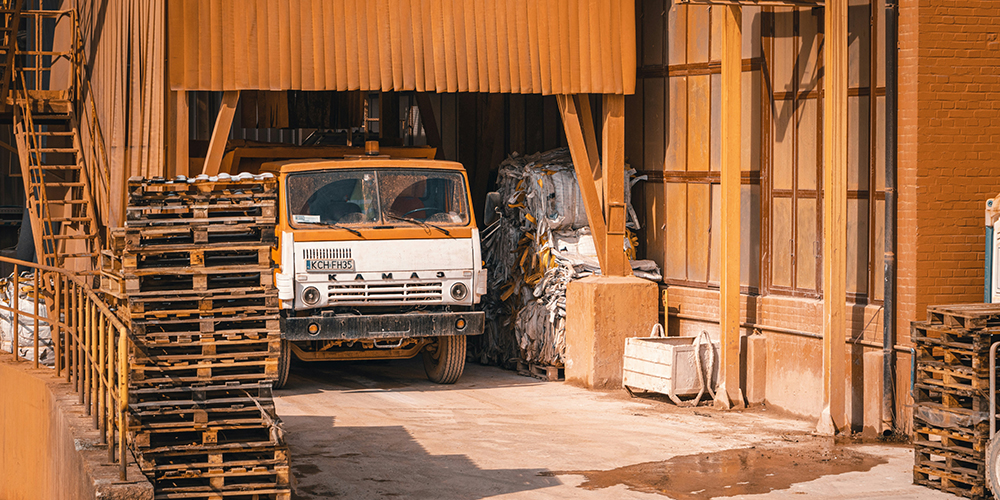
[
  {"x": 284, "y": 364},
  {"x": 444, "y": 360}
]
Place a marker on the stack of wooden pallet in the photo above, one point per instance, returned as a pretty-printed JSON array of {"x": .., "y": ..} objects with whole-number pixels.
[
  {"x": 195, "y": 276},
  {"x": 951, "y": 403}
]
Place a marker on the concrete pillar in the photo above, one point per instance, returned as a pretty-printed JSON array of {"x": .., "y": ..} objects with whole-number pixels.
[
  {"x": 872, "y": 393},
  {"x": 756, "y": 369},
  {"x": 601, "y": 312}
]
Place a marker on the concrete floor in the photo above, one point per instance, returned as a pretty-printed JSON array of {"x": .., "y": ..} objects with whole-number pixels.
[{"x": 380, "y": 429}]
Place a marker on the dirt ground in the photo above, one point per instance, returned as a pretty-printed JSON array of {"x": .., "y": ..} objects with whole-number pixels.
[{"x": 381, "y": 430}]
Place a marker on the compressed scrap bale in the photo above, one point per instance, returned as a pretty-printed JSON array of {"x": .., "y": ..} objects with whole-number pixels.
[{"x": 540, "y": 242}]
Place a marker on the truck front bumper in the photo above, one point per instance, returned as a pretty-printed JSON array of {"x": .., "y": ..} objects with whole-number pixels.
[{"x": 382, "y": 326}]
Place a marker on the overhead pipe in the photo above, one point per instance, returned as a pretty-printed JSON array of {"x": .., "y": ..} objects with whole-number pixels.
[{"x": 889, "y": 304}]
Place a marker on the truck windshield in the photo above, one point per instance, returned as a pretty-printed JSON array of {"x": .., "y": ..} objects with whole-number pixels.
[{"x": 377, "y": 197}]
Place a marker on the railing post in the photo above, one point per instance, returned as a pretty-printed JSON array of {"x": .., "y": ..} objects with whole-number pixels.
[
  {"x": 92, "y": 361},
  {"x": 68, "y": 354},
  {"x": 15, "y": 303},
  {"x": 55, "y": 329},
  {"x": 85, "y": 358},
  {"x": 123, "y": 369},
  {"x": 36, "y": 295},
  {"x": 101, "y": 382}
]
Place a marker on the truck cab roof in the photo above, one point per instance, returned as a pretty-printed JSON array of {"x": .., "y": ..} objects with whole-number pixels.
[{"x": 289, "y": 166}]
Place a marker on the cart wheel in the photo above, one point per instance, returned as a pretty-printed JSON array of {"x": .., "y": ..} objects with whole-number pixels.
[
  {"x": 444, "y": 360},
  {"x": 993, "y": 465},
  {"x": 284, "y": 364}
]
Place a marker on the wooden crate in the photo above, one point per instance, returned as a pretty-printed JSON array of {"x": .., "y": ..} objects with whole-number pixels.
[{"x": 665, "y": 365}]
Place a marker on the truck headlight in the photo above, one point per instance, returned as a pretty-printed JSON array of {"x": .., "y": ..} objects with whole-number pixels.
[
  {"x": 310, "y": 296},
  {"x": 459, "y": 291}
]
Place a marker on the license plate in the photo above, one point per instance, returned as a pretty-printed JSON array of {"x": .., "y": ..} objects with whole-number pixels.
[{"x": 326, "y": 265}]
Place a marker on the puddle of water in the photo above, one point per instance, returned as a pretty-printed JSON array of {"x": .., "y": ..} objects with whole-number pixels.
[{"x": 746, "y": 471}]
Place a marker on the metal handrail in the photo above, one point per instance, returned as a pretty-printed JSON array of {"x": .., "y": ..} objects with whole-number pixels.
[{"x": 89, "y": 342}]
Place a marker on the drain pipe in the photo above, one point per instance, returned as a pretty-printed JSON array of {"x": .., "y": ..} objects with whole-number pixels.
[{"x": 889, "y": 307}]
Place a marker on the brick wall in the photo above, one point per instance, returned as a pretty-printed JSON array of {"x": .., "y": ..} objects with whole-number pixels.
[
  {"x": 950, "y": 159},
  {"x": 794, "y": 378}
]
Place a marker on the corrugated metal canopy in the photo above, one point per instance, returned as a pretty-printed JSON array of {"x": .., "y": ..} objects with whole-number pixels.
[{"x": 516, "y": 46}]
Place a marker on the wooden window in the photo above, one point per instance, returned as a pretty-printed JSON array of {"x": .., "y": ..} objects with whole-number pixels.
[
  {"x": 793, "y": 57},
  {"x": 677, "y": 141}
]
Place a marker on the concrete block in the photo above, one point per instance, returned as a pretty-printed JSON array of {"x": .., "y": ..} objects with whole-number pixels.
[
  {"x": 872, "y": 425},
  {"x": 756, "y": 369},
  {"x": 601, "y": 312}
]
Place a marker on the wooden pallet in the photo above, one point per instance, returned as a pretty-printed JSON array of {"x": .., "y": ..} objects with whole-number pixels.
[
  {"x": 156, "y": 190},
  {"x": 214, "y": 352},
  {"x": 150, "y": 261},
  {"x": 218, "y": 280},
  {"x": 248, "y": 454},
  {"x": 234, "y": 393},
  {"x": 173, "y": 438},
  {"x": 224, "y": 210},
  {"x": 966, "y": 316},
  {"x": 148, "y": 238},
  {"x": 205, "y": 371},
  {"x": 229, "y": 325},
  {"x": 543, "y": 372},
  {"x": 951, "y": 399},
  {"x": 954, "y": 482},
  {"x": 218, "y": 481},
  {"x": 225, "y": 304},
  {"x": 959, "y": 379}
]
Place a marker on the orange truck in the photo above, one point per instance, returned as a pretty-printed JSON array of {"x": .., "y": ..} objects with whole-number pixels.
[{"x": 377, "y": 258}]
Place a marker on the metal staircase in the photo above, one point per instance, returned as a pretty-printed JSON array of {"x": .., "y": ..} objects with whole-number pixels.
[
  {"x": 10, "y": 20},
  {"x": 63, "y": 217}
]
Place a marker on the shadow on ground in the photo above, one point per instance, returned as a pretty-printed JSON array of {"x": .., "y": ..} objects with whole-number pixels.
[{"x": 386, "y": 462}]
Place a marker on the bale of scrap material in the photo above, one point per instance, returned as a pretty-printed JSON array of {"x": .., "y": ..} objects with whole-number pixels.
[{"x": 540, "y": 242}]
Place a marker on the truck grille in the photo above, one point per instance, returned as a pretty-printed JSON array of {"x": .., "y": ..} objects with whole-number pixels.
[
  {"x": 326, "y": 253},
  {"x": 385, "y": 293}
]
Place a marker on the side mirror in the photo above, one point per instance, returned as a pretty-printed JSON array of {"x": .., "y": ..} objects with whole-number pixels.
[{"x": 492, "y": 211}]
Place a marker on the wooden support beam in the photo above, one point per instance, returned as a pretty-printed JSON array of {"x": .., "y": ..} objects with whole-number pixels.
[
  {"x": 834, "y": 418},
  {"x": 220, "y": 134},
  {"x": 581, "y": 163},
  {"x": 388, "y": 120},
  {"x": 614, "y": 185},
  {"x": 178, "y": 137},
  {"x": 729, "y": 394},
  {"x": 427, "y": 119},
  {"x": 590, "y": 138}
]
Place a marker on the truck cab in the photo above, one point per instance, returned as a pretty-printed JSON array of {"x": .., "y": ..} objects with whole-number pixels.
[{"x": 377, "y": 258}]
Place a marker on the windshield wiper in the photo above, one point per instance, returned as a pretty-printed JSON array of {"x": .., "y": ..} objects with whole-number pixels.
[
  {"x": 418, "y": 222},
  {"x": 335, "y": 226}
]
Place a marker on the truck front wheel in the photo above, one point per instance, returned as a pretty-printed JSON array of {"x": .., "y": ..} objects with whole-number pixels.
[
  {"x": 284, "y": 364},
  {"x": 444, "y": 360}
]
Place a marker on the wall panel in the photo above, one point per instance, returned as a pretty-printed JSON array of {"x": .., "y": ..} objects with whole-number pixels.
[{"x": 510, "y": 46}]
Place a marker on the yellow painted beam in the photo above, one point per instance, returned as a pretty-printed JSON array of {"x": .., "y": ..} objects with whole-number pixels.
[
  {"x": 177, "y": 134},
  {"x": 834, "y": 418},
  {"x": 590, "y": 138},
  {"x": 613, "y": 165},
  {"x": 220, "y": 134},
  {"x": 729, "y": 394},
  {"x": 581, "y": 163}
]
